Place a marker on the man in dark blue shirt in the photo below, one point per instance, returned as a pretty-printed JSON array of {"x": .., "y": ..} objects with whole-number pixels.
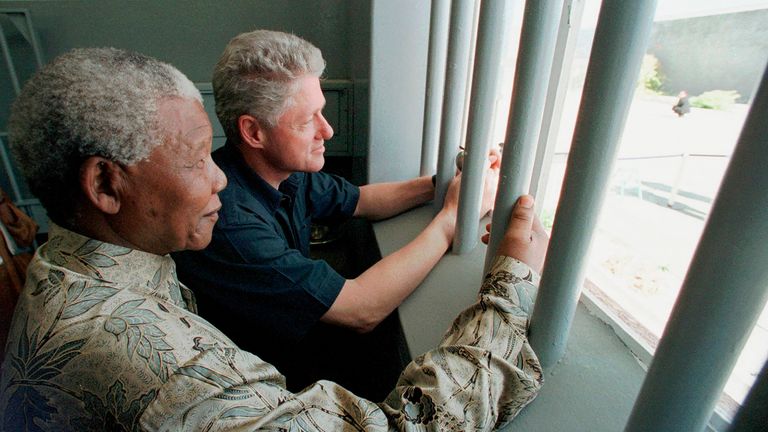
[{"x": 256, "y": 280}]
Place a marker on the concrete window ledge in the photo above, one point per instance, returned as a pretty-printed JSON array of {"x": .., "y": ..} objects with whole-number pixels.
[{"x": 593, "y": 387}]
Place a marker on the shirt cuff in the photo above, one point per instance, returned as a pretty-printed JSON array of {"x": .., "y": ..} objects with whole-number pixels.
[
  {"x": 516, "y": 267},
  {"x": 350, "y": 205},
  {"x": 513, "y": 280}
]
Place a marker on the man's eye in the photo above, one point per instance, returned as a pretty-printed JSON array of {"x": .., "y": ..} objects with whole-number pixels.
[{"x": 303, "y": 125}]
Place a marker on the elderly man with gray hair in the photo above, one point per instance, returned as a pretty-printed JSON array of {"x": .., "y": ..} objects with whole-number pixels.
[
  {"x": 257, "y": 278},
  {"x": 104, "y": 337}
]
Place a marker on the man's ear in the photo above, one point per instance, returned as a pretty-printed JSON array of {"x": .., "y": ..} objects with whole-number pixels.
[
  {"x": 252, "y": 133},
  {"x": 99, "y": 179}
]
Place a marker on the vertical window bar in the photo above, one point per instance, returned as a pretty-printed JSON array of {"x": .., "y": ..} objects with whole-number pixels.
[
  {"x": 753, "y": 415},
  {"x": 485, "y": 87},
  {"x": 439, "y": 22},
  {"x": 621, "y": 36},
  {"x": 570, "y": 23},
  {"x": 722, "y": 296},
  {"x": 534, "y": 61},
  {"x": 457, "y": 70}
]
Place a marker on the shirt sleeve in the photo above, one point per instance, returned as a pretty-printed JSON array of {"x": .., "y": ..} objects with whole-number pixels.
[
  {"x": 331, "y": 197},
  {"x": 480, "y": 377}
]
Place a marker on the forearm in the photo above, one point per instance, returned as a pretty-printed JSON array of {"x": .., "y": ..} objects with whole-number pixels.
[
  {"x": 383, "y": 200},
  {"x": 485, "y": 356},
  {"x": 368, "y": 299}
]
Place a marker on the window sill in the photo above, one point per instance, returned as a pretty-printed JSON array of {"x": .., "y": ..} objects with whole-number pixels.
[
  {"x": 642, "y": 343},
  {"x": 592, "y": 388}
]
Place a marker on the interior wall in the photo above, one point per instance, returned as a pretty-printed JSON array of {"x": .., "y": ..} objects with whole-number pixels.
[
  {"x": 190, "y": 34},
  {"x": 399, "y": 47}
]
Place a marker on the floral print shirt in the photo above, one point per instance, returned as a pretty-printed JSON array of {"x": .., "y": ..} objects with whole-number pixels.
[{"x": 105, "y": 338}]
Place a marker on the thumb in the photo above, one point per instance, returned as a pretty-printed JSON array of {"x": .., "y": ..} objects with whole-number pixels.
[{"x": 521, "y": 222}]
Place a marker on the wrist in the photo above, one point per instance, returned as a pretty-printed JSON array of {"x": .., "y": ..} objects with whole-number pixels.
[
  {"x": 446, "y": 219},
  {"x": 427, "y": 188}
]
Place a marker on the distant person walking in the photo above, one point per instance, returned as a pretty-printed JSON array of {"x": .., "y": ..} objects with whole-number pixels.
[{"x": 683, "y": 105}]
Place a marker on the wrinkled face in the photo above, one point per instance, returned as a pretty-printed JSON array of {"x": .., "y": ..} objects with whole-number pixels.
[
  {"x": 297, "y": 142},
  {"x": 171, "y": 200}
]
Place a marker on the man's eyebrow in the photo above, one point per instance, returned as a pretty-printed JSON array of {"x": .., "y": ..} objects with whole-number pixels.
[
  {"x": 195, "y": 139},
  {"x": 319, "y": 109},
  {"x": 198, "y": 133},
  {"x": 196, "y": 128}
]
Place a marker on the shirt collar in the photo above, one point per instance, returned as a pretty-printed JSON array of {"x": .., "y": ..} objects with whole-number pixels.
[
  {"x": 263, "y": 191},
  {"x": 122, "y": 266}
]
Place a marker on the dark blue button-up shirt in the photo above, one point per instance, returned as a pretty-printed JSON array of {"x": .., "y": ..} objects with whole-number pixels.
[{"x": 256, "y": 275}]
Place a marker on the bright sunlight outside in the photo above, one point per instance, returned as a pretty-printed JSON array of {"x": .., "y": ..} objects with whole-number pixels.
[{"x": 668, "y": 170}]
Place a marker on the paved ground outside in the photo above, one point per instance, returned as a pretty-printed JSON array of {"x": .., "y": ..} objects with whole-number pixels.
[{"x": 664, "y": 182}]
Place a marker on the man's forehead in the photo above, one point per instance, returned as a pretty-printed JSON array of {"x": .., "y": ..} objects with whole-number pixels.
[
  {"x": 183, "y": 118},
  {"x": 309, "y": 97}
]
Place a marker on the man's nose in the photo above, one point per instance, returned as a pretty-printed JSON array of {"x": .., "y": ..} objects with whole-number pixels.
[
  {"x": 220, "y": 179},
  {"x": 326, "y": 130}
]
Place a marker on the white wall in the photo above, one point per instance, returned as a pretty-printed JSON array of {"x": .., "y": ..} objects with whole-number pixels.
[{"x": 399, "y": 46}]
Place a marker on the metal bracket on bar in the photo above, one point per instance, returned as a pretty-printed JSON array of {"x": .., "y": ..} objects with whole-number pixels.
[
  {"x": 22, "y": 21},
  {"x": 6, "y": 160}
]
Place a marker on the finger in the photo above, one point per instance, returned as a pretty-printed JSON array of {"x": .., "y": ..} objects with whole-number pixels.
[
  {"x": 488, "y": 227},
  {"x": 521, "y": 222},
  {"x": 493, "y": 164},
  {"x": 495, "y": 158},
  {"x": 485, "y": 238}
]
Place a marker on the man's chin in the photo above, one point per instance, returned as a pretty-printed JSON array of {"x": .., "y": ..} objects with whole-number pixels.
[
  {"x": 317, "y": 164},
  {"x": 199, "y": 241}
]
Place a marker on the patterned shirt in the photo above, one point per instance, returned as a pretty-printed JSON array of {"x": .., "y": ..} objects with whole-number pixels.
[{"x": 105, "y": 338}]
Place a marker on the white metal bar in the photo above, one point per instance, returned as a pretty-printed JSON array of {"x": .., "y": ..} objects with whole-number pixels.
[
  {"x": 457, "y": 70},
  {"x": 570, "y": 23},
  {"x": 485, "y": 86},
  {"x": 439, "y": 22},
  {"x": 537, "y": 47},
  {"x": 621, "y": 37}
]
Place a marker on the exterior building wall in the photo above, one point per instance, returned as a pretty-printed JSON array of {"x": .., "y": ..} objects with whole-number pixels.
[{"x": 718, "y": 52}]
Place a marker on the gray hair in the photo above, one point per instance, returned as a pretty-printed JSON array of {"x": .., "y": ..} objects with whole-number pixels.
[
  {"x": 88, "y": 102},
  {"x": 257, "y": 75}
]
